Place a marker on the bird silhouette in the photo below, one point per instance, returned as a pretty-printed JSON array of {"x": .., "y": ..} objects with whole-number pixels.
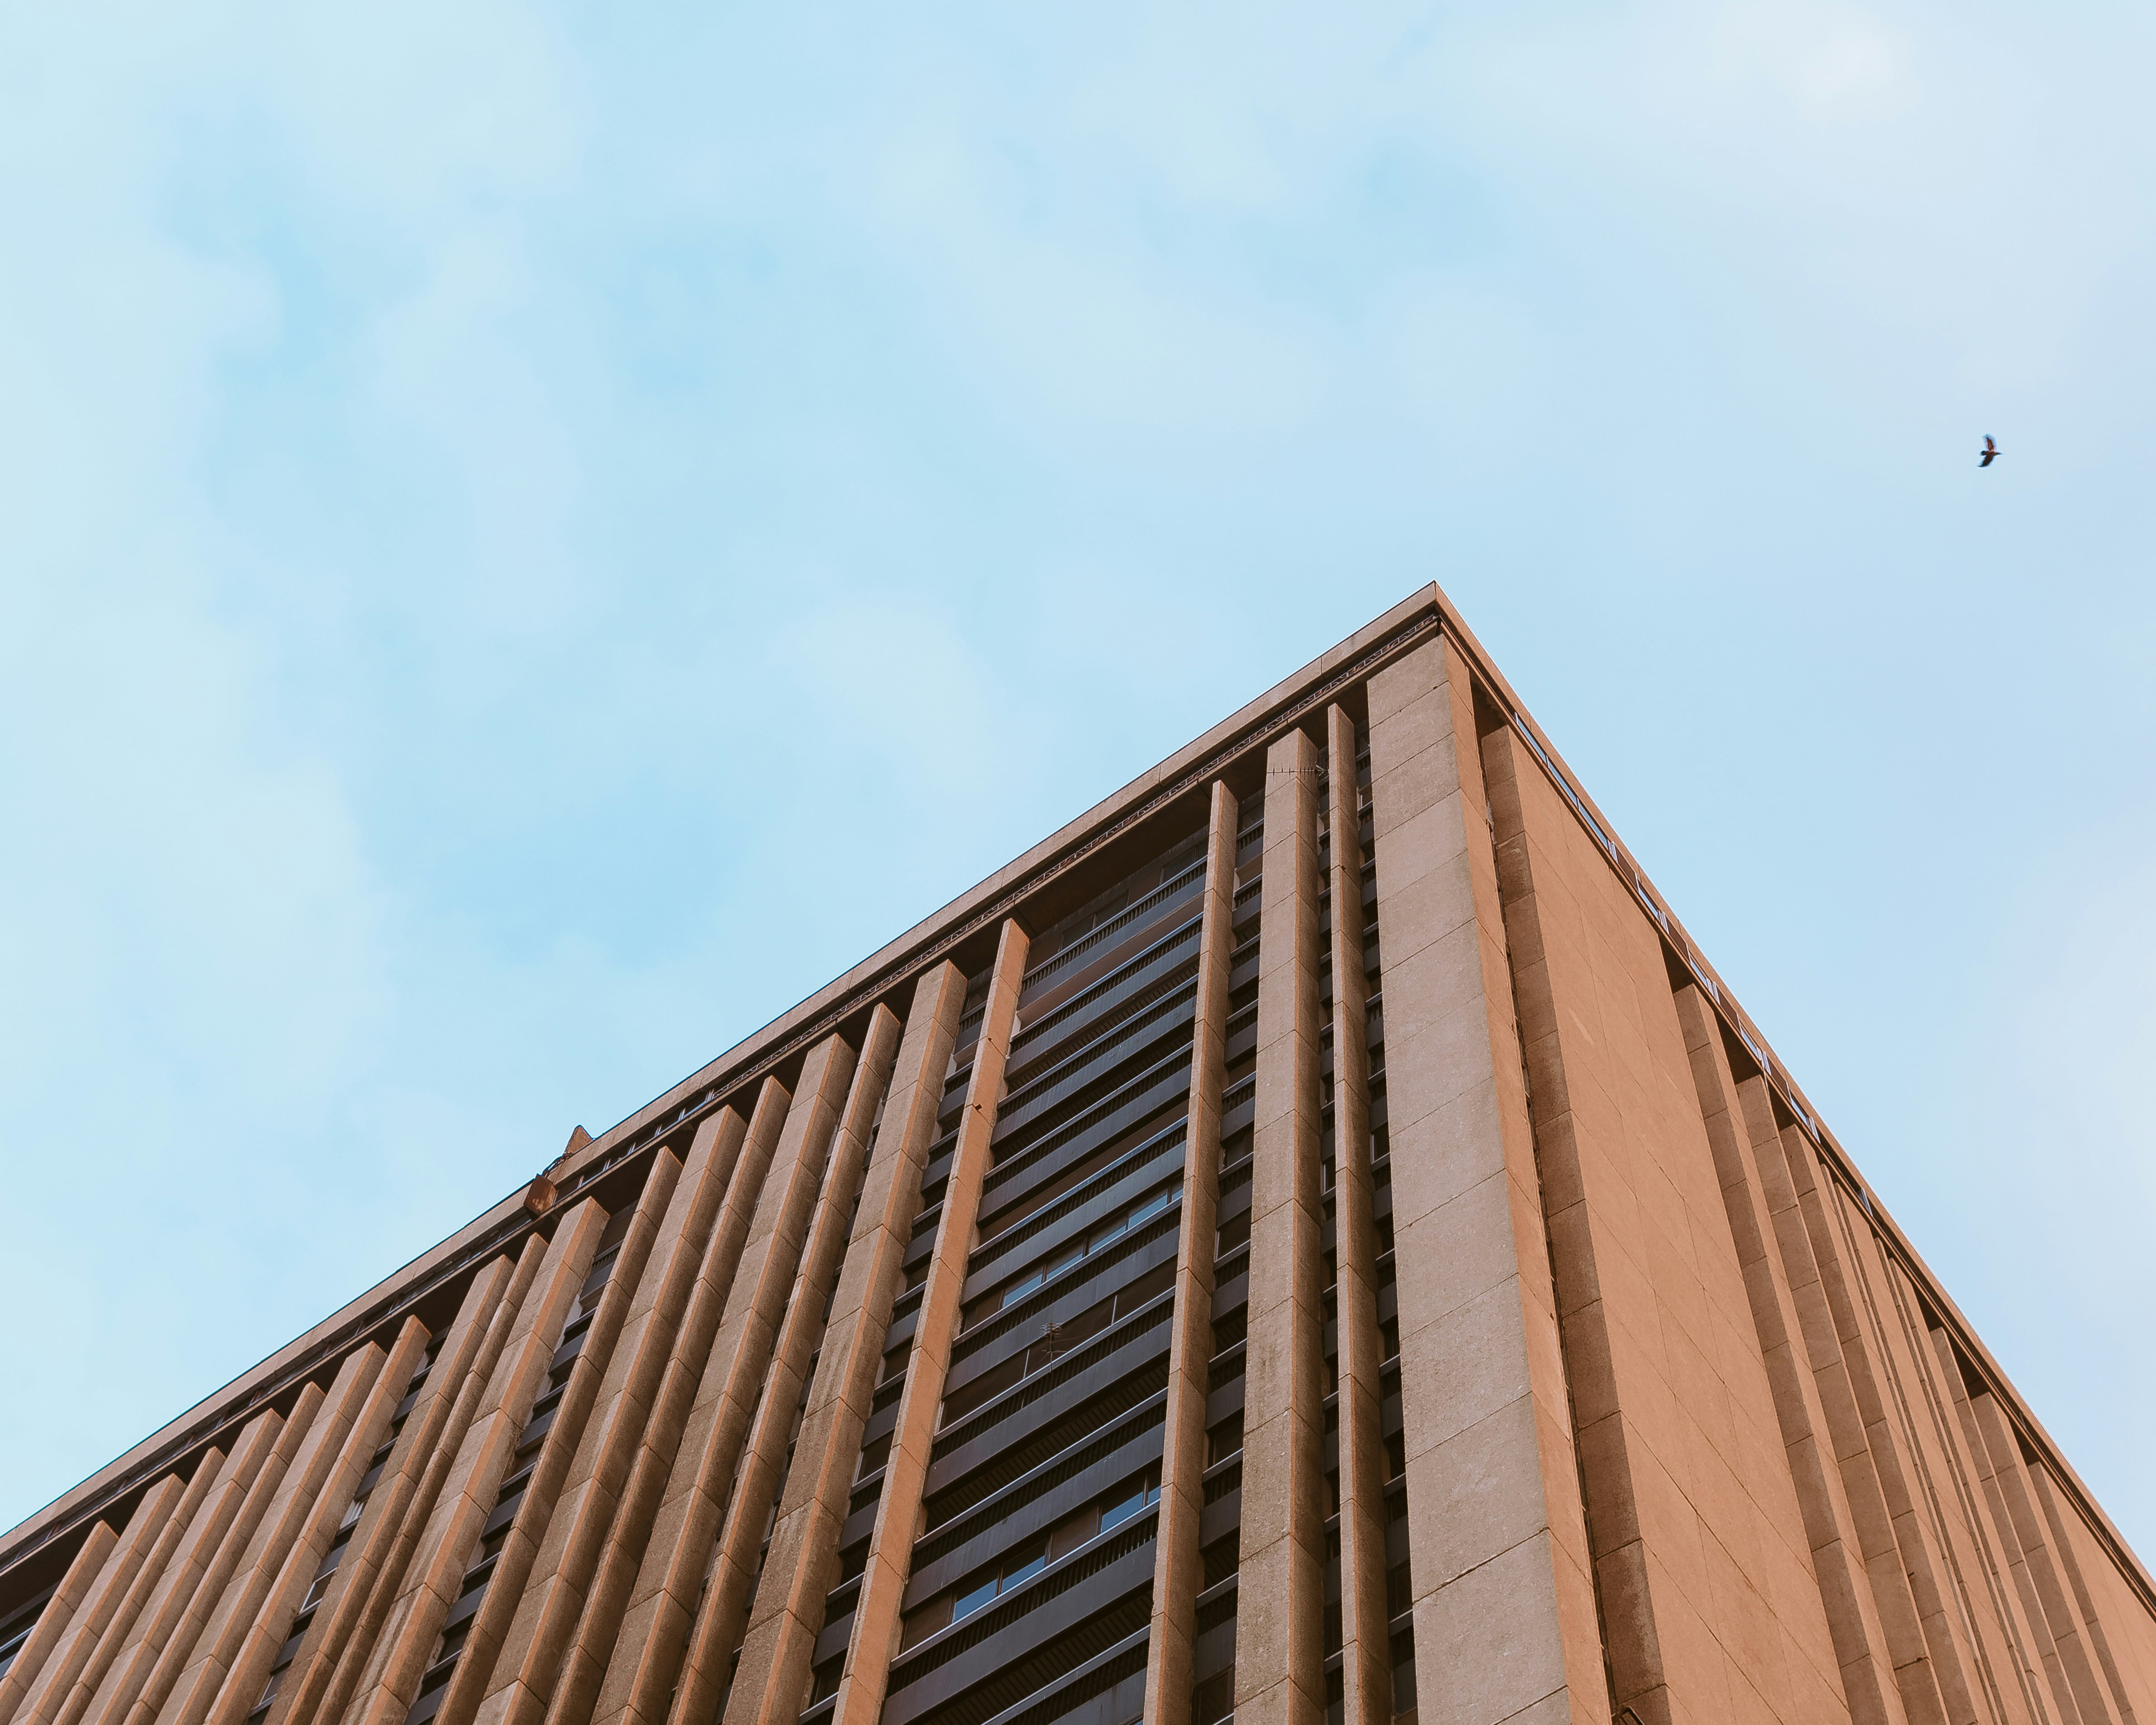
[{"x": 1990, "y": 453}]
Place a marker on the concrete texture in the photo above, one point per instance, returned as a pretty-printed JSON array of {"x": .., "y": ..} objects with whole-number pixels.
[{"x": 1687, "y": 1429}]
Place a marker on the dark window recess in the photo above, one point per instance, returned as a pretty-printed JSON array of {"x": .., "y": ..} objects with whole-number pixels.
[
  {"x": 1403, "y": 1671},
  {"x": 1076, "y": 1251},
  {"x": 505, "y": 1512},
  {"x": 1024, "y": 1562},
  {"x": 324, "y": 1575},
  {"x": 1056, "y": 1340},
  {"x": 291, "y": 1650},
  {"x": 17, "y": 1631},
  {"x": 1147, "y": 1141},
  {"x": 534, "y": 1434},
  {"x": 1225, "y": 1440},
  {"x": 452, "y": 1642}
]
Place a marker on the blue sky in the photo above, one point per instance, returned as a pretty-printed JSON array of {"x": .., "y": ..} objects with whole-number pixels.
[{"x": 531, "y": 543}]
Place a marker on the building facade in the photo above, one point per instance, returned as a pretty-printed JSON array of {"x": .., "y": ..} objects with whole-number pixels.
[{"x": 1313, "y": 1239}]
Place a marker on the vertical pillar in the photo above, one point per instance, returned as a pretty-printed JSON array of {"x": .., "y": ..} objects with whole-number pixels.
[
  {"x": 898, "y": 1511},
  {"x": 1365, "y": 1636},
  {"x": 1895, "y": 1466},
  {"x": 84, "y": 1572},
  {"x": 641, "y": 1386},
  {"x": 1178, "y": 1568},
  {"x": 2047, "y": 1496},
  {"x": 1867, "y": 1669},
  {"x": 229, "y": 1617},
  {"x": 327, "y": 1665},
  {"x": 431, "y": 1580},
  {"x": 697, "y": 1468},
  {"x": 231, "y": 1548},
  {"x": 47, "y": 1686},
  {"x": 153, "y": 1630},
  {"x": 265, "y": 1626},
  {"x": 1505, "y": 1614},
  {"x": 1951, "y": 1512},
  {"x": 788, "y": 1612},
  {"x": 604, "y": 1407},
  {"x": 1280, "y": 1609},
  {"x": 2075, "y": 1671},
  {"x": 63, "y": 1704},
  {"x": 648, "y": 1660},
  {"x": 1889, "y": 1600},
  {"x": 2043, "y": 1681}
]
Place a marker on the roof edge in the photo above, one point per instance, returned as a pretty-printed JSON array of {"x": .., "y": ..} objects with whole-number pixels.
[{"x": 1350, "y": 660}]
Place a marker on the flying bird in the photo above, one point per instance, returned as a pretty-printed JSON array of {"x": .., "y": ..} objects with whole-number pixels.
[{"x": 1990, "y": 453}]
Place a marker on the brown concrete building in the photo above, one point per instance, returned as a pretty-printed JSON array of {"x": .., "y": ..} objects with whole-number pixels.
[{"x": 1311, "y": 1240}]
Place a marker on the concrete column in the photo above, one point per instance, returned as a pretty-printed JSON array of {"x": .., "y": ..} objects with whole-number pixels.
[
  {"x": 898, "y": 1513},
  {"x": 327, "y": 1666},
  {"x": 1279, "y": 1601},
  {"x": 707, "y": 1416},
  {"x": 1929, "y": 1427},
  {"x": 2045, "y": 1693},
  {"x": 1505, "y": 1613},
  {"x": 1178, "y": 1568},
  {"x": 787, "y": 1611},
  {"x": 2045, "y": 1590},
  {"x": 1893, "y": 1461},
  {"x": 1871, "y": 1520},
  {"x": 649, "y": 1661},
  {"x": 229, "y": 1614},
  {"x": 225, "y": 1561},
  {"x": 47, "y": 1686},
  {"x": 176, "y": 1588},
  {"x": 64, "y": 1704},
  {"x": 432, "y": 1577},
  {"x": 603, "y": 1409},
  {"x": 1366, "y": 1659},
  {"x": 264, "y": 1626},
  {"x": 83, "y": 1570},
  {"x": 2048, "y": 1497},
  {"x": 1845, "y": 1595}
]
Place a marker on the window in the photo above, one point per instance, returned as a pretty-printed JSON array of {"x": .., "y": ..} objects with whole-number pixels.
[
  {"x": 12, "y": 1644},
  {"x": 1024, "y": 1562},
  {"x": 1114, "y": 1514},
  {"x": 1103, "y": 1234}
]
